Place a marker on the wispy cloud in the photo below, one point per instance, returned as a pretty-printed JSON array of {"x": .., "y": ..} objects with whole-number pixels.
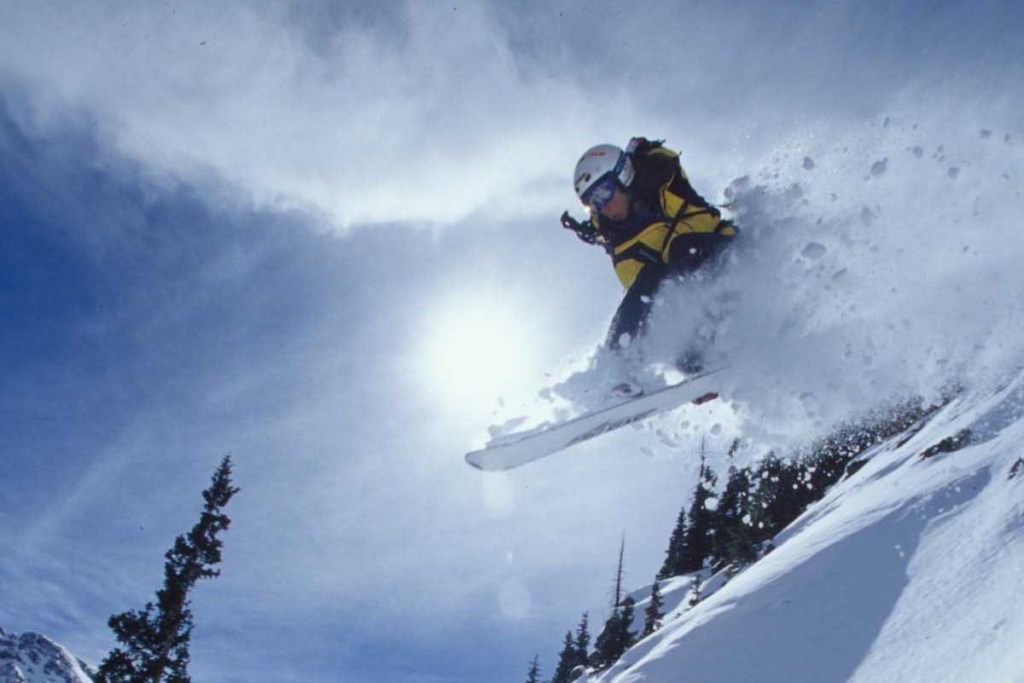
[{"x": 423, "y": 114}]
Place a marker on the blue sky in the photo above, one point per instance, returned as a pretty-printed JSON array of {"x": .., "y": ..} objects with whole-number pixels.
[{"x": 268, "y": 229}]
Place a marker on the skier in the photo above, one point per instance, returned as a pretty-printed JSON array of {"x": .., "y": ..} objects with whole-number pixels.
[{"x": 653, "y": 224}]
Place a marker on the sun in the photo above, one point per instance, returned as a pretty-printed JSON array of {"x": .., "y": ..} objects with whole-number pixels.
[{"x": 479, "y": 347}]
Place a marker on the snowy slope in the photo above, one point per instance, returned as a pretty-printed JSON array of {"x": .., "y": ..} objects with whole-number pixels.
[
  {"x": 32, "y": 658},
  {"x": 912, "y": 569}
]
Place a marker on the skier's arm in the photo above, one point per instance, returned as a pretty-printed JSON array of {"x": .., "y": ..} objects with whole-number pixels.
[
  {"x": 689, "y": 252},
  {"x": 635, "y": 306}
]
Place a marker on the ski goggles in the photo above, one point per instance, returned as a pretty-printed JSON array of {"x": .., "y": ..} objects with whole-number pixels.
[{"x": 600, "y": 193}]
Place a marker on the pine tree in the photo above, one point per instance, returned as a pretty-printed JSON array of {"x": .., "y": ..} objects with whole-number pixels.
[
  {"x": 533, "y": 675},
  {"x": 700, "y": 522},
  {"x": 155, "y": 641},
  {"x": 734, "y": 542},
  {"x": 616, "y": 637},
  {"x": 653, "y": 614},
  {"x": 618, "y": 573},
  {"x": 673, "y": 565},
  {"x": 566, "y": 660},
  {"x": 582, "y": 642},
  {"x": 776, "y": 498},
  {"x": 791, "y": 494},
  {"x": 627, "y": 635}
]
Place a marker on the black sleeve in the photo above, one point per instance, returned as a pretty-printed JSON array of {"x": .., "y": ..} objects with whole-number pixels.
[
  {"x": 635, "y": 306},
  {"x": 692, "y": 251}
]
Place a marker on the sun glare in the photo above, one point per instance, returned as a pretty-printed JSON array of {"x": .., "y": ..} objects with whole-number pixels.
[{"x": 477, "y": 349}]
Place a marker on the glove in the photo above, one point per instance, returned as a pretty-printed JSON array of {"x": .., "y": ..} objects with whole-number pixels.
[{"x": 585, "y": 231}]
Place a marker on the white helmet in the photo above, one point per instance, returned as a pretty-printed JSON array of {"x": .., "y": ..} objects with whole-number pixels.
[{"x": 606, "y": 163}]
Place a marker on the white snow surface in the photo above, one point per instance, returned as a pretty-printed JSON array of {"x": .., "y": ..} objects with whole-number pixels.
[
  {"x": 912, "y": 569},
  {"x": 34, "y": 658}
]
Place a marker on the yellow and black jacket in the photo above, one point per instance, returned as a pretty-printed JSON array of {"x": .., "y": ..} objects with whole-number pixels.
[{"x": 671, "y": 231}]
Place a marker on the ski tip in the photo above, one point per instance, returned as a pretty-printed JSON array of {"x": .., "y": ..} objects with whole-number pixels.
[{"x": 478, "y": 461}]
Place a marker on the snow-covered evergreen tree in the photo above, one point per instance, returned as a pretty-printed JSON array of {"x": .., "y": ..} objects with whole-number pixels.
[
  {"x": 653, "y": 614},
  {"x": 699, "y": 537},
  {"x": 617, "y": 636},
  {"x": 735, "y": 542}
]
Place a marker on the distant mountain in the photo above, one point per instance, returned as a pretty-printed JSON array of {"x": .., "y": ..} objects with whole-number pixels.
[{"x": 33, "y": 658}]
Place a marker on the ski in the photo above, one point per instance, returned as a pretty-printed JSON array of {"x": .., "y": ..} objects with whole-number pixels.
[{"x": 514, "y": 450}]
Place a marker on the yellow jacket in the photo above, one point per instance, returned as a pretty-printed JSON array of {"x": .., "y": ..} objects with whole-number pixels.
[{"x": 671, "y": 229}]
